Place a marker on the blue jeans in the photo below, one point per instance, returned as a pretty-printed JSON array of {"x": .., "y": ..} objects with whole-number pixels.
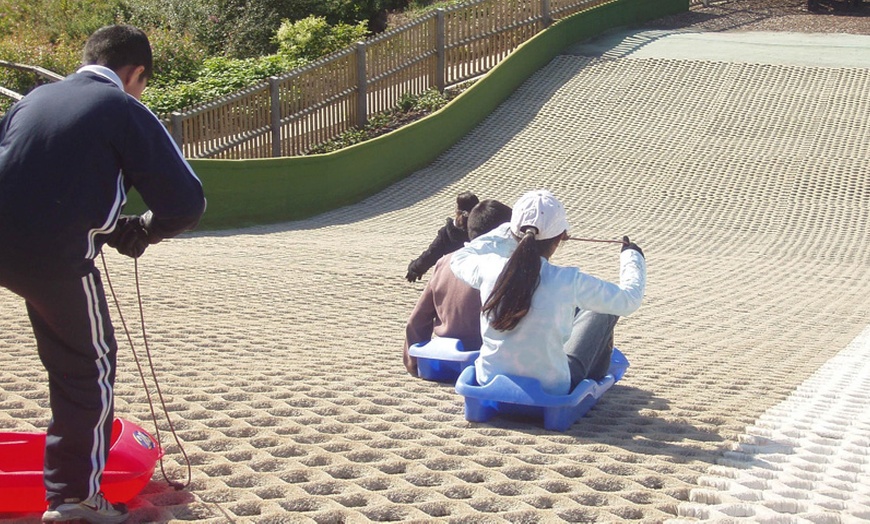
[{"x": 590, "y": 346}]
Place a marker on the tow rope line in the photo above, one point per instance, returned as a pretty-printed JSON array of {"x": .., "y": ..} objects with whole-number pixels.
[
  {"x": 172, "y": 483},
  {"x": 595, "y": 240}
]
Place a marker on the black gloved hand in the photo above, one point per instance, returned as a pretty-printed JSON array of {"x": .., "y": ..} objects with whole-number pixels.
[
  {"x": 413, "y": 276},
  {"x": 628, "y": 244},
  {"x": 130, "y": 236}
]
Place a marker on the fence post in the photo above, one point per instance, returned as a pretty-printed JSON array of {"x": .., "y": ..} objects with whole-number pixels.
[
  {"x": 177, "y": 129},
  {"x": 362, "y": 85},
  {"x": 545, "y": 13},
  {"x": 440, "y": 51},
  {"x": 275, "y": 116}
]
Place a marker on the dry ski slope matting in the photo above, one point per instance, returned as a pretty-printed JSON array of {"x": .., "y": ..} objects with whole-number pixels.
[{"x": 278, "y": 348}]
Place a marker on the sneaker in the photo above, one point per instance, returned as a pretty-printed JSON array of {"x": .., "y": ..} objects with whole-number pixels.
[{"x": 96, "y": 510}]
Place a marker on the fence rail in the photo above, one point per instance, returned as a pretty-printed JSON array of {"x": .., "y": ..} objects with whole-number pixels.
[
  {"x": 38, "y": 71},
  {"x": 8, "y": 93},
  {"x": 51, "y": 76},
  {"x": 290, "y": 114}
]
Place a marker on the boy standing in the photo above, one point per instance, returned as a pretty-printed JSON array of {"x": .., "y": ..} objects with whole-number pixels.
[{"x": 69, "y": 152}]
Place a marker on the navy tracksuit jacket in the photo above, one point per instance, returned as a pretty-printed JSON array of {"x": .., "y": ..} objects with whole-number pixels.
[{"x": 69, "y": 151}]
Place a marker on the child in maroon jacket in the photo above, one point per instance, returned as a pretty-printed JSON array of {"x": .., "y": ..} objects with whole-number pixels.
[{"x": 449, "y": 307}]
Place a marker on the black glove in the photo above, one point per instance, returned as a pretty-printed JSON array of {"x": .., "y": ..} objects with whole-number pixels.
[
  {"x": 628, "y": 244},
  {"x": 413, "y": 276},
  {"x": 131, "y": 235}
]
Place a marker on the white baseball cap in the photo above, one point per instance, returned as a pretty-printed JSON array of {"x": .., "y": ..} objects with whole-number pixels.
[{"x": 541, "y": 210}]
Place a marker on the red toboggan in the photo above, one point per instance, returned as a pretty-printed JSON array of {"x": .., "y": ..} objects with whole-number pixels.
[{"x": 132, "y": 457}]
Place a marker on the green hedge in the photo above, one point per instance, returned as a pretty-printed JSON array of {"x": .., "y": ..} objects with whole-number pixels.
[{"x": 248, "y": 192}]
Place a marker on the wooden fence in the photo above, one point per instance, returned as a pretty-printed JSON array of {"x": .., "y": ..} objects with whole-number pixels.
[{"x": 290, "y": 114}]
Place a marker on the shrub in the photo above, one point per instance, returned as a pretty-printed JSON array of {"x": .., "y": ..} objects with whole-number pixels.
[
  {"x": 406, "y": 102},
  {"x": 414, "y": 9},
  {"x": 313, "y": 37},
  {"x": 56, "y": 20},
  {"x": 63, "y": 57},
  {"x": 177, "y": 57},
  {"x": 179, "y": 16},
  {"x": 430, "y": 100},
  {"x": 219, "y": 76},
  {"x": 241, "y": 28},
  {"x": 204, "y": 20},
  {"x": 408, "y": 108},
  {"x": 46, "y": 33},
  {"x": 348, "y": 138},
  {"x": 251, "y": 33},
  {"x": 221, "y": 27}
]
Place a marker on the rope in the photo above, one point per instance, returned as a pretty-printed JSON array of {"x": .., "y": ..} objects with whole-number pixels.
[
  {"x": 172, "y": 483},
  {"x": 595, "y": 240}
]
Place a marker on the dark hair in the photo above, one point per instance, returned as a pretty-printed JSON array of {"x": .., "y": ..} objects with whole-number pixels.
[
  {"x": 486, "y": 216},
  {"x": 116, "y": 46},
  {"x": 465, "y": 202},
  {"x": 511, "y": 297}
]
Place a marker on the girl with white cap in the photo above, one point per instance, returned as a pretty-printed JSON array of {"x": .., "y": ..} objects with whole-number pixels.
[{"x": 539, "y": 320}]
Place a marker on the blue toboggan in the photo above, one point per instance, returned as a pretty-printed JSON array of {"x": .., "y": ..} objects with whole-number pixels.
[
  {"x": 442, "y": 359},
  {"x": 524, "y": 397}
]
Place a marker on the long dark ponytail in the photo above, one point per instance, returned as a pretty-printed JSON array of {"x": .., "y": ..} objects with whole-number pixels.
[{"x": 511, "y": 297}]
